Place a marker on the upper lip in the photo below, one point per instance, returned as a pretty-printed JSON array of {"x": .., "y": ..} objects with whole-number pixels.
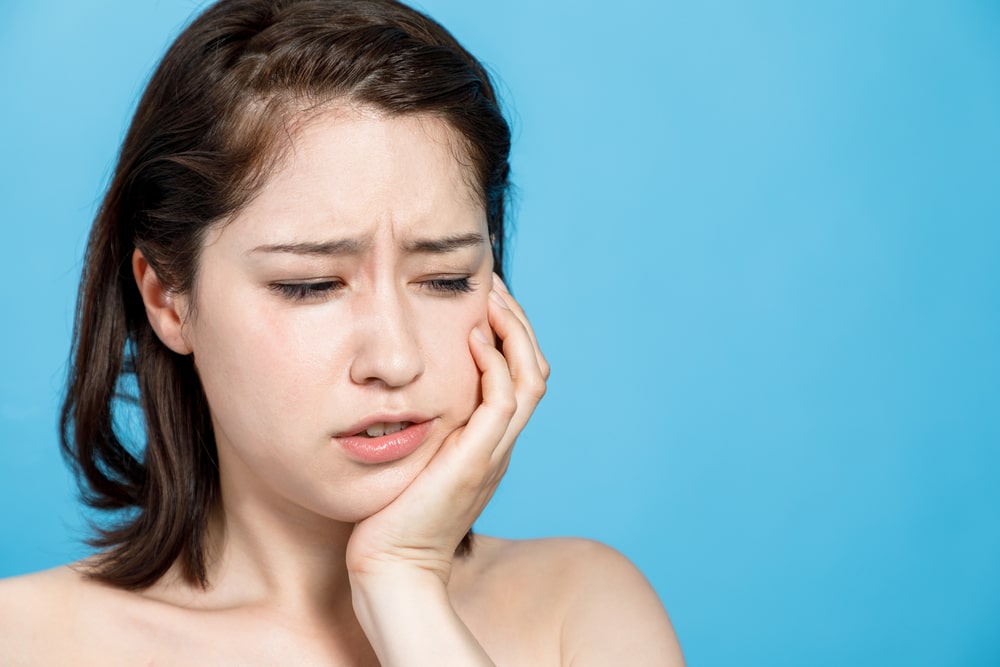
[{"x": 364, "y": 424}]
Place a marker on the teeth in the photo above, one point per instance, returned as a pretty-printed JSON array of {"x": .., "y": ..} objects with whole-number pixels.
[
  {"x": 393, "y": 427},
  {"x": 385, "y": 428}
]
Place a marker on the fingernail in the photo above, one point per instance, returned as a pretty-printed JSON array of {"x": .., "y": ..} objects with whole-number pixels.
[
  {"x": 495, "y": 295},
  {"x": 497, "y": 279},
  {"x": 479, "y": 336}
]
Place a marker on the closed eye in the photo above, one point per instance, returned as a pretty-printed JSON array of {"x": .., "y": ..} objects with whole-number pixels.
[
  {"x": 308, "y": 291},
  {"x": 449, "y": 285}
]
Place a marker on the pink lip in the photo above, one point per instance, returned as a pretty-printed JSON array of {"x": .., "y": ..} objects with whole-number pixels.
[{"x": 384, "y": 448}]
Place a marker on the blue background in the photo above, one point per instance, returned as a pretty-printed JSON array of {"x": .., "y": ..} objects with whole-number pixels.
[{"x": 760, "y": 243}]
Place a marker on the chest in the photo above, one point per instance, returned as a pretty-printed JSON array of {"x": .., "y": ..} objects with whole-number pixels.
[{"x": 510, "y": 633}]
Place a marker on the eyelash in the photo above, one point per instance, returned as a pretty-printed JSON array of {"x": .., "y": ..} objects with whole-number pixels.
[
  {"x": 320, "y": 290},
  {"x": 449, "y": 285},
  {"x": 307, "y": 291}
]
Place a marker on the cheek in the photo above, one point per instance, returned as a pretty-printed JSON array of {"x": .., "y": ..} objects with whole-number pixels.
[
  {"x": 252, "y": 365},
  {"x": 456, "y": 376}
]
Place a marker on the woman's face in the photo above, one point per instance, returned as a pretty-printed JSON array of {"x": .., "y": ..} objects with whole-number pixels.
[{"x": 340, "y": 299}]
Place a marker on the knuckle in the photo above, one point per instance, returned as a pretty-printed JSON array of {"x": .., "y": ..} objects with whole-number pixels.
[
  {"x": 505, "y": 405},
  {"x": 536, "y": 387}
]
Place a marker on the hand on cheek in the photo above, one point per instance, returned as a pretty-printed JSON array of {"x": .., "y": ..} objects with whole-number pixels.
[{"x": 420, "y": 530}]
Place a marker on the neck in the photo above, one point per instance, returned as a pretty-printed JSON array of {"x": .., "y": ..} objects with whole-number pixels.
[
  {"x": 280, "y": 565},
  {"x": 269, "y": 555},
  {"x": 265, "y": 557}
]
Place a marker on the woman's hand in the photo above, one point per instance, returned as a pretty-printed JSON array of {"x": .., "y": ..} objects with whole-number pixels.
[
  {"x": 423, "y": 526},
  {"x": 399, "y": 559}
]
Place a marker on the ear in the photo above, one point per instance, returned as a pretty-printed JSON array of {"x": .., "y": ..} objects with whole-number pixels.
[{"x": 164, "y": 309}]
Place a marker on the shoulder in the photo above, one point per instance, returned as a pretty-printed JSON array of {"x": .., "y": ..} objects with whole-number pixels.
[
  {"x": 60, "y": 616},
  {"x": 26, "y": 598},
  {"x": 35, "y": 610},
  {"x": 569, "y": 566},
  {"x": 606, "y": 610}
]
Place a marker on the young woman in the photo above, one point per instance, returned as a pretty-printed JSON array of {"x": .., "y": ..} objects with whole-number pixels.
[{"x": 296, "y": 272}]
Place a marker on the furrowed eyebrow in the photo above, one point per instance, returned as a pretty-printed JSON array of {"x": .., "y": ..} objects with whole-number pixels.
[
  {"x": 438, "y": 246},
  {"x": 444, "y": 244},
  {"x": 338, "y": 247}
]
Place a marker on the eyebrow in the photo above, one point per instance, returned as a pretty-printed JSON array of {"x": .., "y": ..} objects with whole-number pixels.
[
  {"x": 313, "y": 248},
  {"x": 445, "y": 244},
  {"x": 433, "y": 246}
]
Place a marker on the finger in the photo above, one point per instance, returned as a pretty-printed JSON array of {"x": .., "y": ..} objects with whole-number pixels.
[
  {"x": 518, "y": 348},
  {"x": 501, "y": 287},
  {"x": 468, "y": 458},
  {"x": 519, "y": 353},
  {"x": 475, "y": 456},
  {"x": 489, "y": 422}
]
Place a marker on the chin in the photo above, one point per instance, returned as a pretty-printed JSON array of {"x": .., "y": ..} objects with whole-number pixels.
[
  {"x": 368, "y": 494},
  {"x": 366, "y": 490}
]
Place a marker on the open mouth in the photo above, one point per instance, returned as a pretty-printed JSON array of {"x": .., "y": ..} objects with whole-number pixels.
[
  {"x": 384, "y": 442},
  {"x": 382, "y": 428}
]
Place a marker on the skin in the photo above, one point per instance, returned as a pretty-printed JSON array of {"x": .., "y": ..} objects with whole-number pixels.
[{"x": 317, "y": 558}]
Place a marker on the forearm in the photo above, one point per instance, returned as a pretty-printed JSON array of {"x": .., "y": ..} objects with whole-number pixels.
[{"x": 410, "y": 622}]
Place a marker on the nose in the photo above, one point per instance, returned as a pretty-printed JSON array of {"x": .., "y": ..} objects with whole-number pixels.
[{"x": 387, "y": 348}]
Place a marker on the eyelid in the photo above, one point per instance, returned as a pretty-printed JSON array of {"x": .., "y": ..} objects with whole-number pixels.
[
  {"x": 449, "y": 285},
  {"x": 307, "y": 290},
  {"x": 322, "y": 289}
]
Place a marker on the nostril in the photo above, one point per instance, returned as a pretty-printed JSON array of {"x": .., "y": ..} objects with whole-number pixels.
[{"x": 392, "y": 366}]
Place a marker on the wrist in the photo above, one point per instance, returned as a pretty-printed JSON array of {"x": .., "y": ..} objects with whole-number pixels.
[
  {"x": 408, "y": 617},
  {"x": 399, "y": 583},
  {"x": 419, "y": 568}
]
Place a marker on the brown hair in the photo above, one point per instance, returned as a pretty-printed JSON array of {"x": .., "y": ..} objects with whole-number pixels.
[{"x": 204, "y": 135}]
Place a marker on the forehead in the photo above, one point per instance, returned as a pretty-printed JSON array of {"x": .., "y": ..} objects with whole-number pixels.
[{"x": 349, "y": 171}]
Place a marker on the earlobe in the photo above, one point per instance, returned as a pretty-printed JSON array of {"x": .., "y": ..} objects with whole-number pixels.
[{"x": 164, "y": 309}]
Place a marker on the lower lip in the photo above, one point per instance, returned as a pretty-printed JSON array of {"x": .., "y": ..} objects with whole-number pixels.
[{"x": 385, "y": 448}]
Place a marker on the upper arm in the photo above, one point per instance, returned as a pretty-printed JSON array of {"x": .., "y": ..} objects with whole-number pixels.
[{"x": 614, "y": 616}]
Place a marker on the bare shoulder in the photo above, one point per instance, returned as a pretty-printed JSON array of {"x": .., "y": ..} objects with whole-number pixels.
[
  {"x": 605, "y": 610},
  {"x": 60, "y": 616},
  {"x": 25, "y": 598},
  {"x": 34, "y": 610}
]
